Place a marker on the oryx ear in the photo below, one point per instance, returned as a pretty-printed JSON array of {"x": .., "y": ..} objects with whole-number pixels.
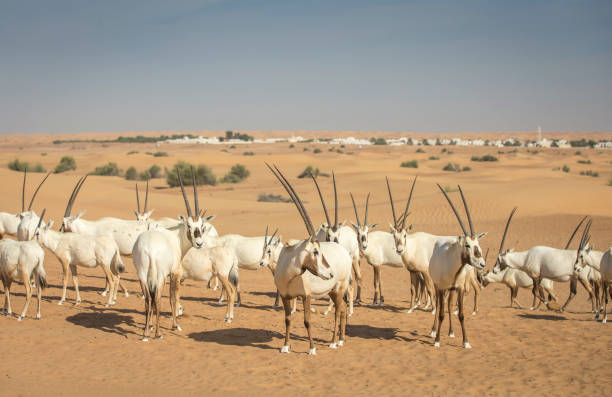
[
  {"x": 592, "y": 247},
  {"x": 510, "y": 250},
  {"x": 355, "y": 227},
  {"x": 150, "y": 212},
  {"x": 342, "y": 224},
  {"x": 409, "y": 228},
  {"x": 80, "y": 214},
  {"x": 182, "y": 218},
  {"x": 20, "y": 215},
  {"x": 136, "y": 213},
  {"x": 392, "y": 228},
  {"x": 372, "y": 226},
  {"x": 279, "y": 240},
  {"x": 324, "y": 225},
  {"x": 49, "y": 225},
  {"x": 210, "y": 218},
  {"x": 481, "y": 235}
]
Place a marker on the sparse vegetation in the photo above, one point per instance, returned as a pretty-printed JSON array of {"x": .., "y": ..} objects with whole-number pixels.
[
  {"x": 232, "y": 147},
  {"x": 132, "y": 152},
  {"x": 248, "y": 154},
  {"x": 592, "y": 173},
  {"x": 203, "y": 174},
  {"x": 578, "y": 153},
  {"x": 131, "y": 174},
  {"x": 160, "y": 154},
  {"x": 434, "y": 158},
  {"x": 43, "y": 154},
  {"x": 272, "y": 198},
  {"x": 565, "y": 168},
  {"x": 378, "y": 141},
  {"x": 452, "y": 167},
  {"x": 306, "y": 149},
  {"x": 110, "y": 169},
  {"x": 310, "y": 170},
  {"x": 443, "y": 150},
  {"x": 316, "y": 151},
  {"x": 409, "y": 164},
  {"x": 466, "y": 168},
  {"x": 584, "y": 161},
  {"x": 155, "y": 171},
  {"x": 486, "y": 157},
  {"x": 128, "y": 139},
  {"x": 235, "y": 135},
  {"x": 419, "y": 150},
  {"x": 291, "y": 146},
  {"x": 66, "y": 163},
  {"x": 17, "y": 165},
  {"x": 237, "y": 173},
  {"x": 144, "y": 175}
]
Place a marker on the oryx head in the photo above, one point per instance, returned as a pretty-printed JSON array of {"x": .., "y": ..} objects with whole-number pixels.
[
  {"x": 196, "y": 226},
  {"x": 143, "y": 215},
  {"x": 68, "y": 220},
  {"x": 271, "y": 250},
  {"x": 584, "y": 249},
  {"x": 362, "y": 230},
  {"x": 500, "y": 263},
  {"x": 399, "y": 230},
  {"x": 40, "y": 233},
  {"x": 471, "y": 253},
  {"x": 28, "y": 220},
  {"x": 310, "y": 256},
  {"x": 331, "y": 231}
]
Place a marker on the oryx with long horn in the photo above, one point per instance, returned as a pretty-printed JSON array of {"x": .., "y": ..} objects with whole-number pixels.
[
  {"x": 342, "y": 234},
  {"x": 158, "y": 253},
  {"x": 448, "y": 269},
  {"x": 311, "y": 269},
  {"x": 555, "y": 264},
  {"x": 28, "y": 220}
]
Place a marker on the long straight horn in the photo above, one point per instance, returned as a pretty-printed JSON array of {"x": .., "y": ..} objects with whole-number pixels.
[
  {"x": 486, "y": 255},
  {"x": 42, "y": 215},
  {"x": 467, "y": 211},
  {"x": 36, "y": 191},
  {"x": 195, "y": 192},
  {"x": 501, "y": 246},
  {"x": 187, "y": 206},
  {"x": 335, "y": 202},
  {"x": 322, "y": 200},
  {"x": 365, "y": 220},
  {"x": 574, "y": 233},
  {"x": 146, "y": 206},
  {"x": 67, "y": 211},
  {"x": 266, "y": 236},
  {"x": 73, "y": 197},
  {"x": 408, "y": 203},
  {"x": 25, "y": 172},
  {"x": 392, "y": 205},
  {"x": 454, "y": 209},
  {"x": 355, "y": 208},
  {"x": 138, "y": 200},
  {"x": 273, "y": 234},
  {"x": 295, "y": 198},
  {"x": 585, "y": 235}
]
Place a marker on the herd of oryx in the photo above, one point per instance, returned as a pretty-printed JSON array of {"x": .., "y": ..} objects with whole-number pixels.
[{"x": 323, "y": 264}]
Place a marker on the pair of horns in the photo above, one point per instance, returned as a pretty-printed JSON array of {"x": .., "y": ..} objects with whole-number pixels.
[
  {"x": 195, "y": 194},
  {"x": 401, "y": 223},
  {"x": 575, "y": 231},
  {"x": 73, "y": 195},
  {"x": 585, "y": 235},
  {"x": 266, "y": 241},
  {"x": 503, "y": 240},
  {"x": 467, "y": 211},
  {"x": 365, "y": 219},
  {"x": 42, "y": 215},
  {"x": 35, "y": 191},
  {"x": 335, "y": 224},
  {"x": 296, "y": 200},
  {"x": 146, "y": 202}
]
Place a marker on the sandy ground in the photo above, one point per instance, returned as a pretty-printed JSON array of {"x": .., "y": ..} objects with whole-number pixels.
[{"x": 93, "y": 350}]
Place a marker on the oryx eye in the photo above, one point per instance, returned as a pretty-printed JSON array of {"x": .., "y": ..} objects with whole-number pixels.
[{"x": 315, "y": 252}]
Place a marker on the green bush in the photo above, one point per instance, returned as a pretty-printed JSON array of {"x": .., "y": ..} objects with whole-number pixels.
[
  {"x": 565, "y": 168},
  {"x": 155, "y": 171},
  {"x": 316, "y": 151},
  {"x": 310, "y": 170},
  {"x": 291, "y": 146},
  {"x": 17, "y": 165},
  {"x": 584, "y": 161},
  {"x": 466, "y": 168},
  {"x": 66, "y": 163},
  {"x": 43, "y": 154},
  {"x": 144, "y": 175},
  {"x": 237, "y": 173},
  {"x": 248, "y": 154},
  {"x": 486, "y": 157},
  {"x": 419, "y": 150},
  {"x": 132, "y": 152},
  {"x": 443, "y": 150},
  {"x": 131, "y": 174},
  {"x": 160, "y": 154},
  {"x": 232, "y": 147},
  {"x": 272, "y": 198},
  {"x": 379, "y": 141},
  {"x": 203, "y": 174},
  {"x": 590, "y": 173},
  {"x": 409, "y": 164},
  {"x": 109, "y": 169},
  {"x": 434, "y": 158},
  {"x": 452, "y": 167}
]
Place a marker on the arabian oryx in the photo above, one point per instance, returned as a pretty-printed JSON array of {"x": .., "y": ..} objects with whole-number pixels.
[
  {"x": 415, "y": 249},
  {"x": 158, "y": 253},
  {"x": 28, "y": 220},
  {"x": 541, "y": 262},
  {"x": 378, "y": 248},
  {"x": 597, "y": 261},
  {"x": 341, "y": 234},
  {"x": 448, "y": 269},
  {"x": 20, "y": 260},
  {"x": 310, "y": 268}
]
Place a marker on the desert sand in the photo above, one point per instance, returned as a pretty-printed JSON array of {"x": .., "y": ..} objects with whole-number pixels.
[{"x": 89, "y": 349}]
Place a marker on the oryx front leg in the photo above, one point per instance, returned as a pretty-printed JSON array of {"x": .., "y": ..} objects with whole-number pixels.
[
  {"x": 466, "y": 344},
  {"x": 75, "y": 282},
  {"x": 28, "y": 288},
  {"x": 287, "y": 307},
  {"x": 312, "y": 350}
]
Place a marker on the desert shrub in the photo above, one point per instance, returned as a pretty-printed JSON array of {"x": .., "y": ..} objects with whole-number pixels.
[
  {"x": 452, "y": 167},
  {"x": 466, "y": 168},
  {"x": 310, "y": 170},
  {"x": 419, "y": 150},
  {"x": 272, "y": 198},
  {"x": 237, "y": 173},
  {"x": 155, "y": 171},
  {"x": 590, "y": 173},
  {"x": 409, "y": 164},
  {"x": 144, "y": 175},
  {"x": 342, "y": 146},
  {"x": 224, "y": 150},
  {"x": 203, "y": 174},
  {"x": 131, "y": 174},
  {"x": 584, "y": 161},
  {"x": 66, "y": 163},
  {"x": 291, "y": 146},
  {"x": 110, "y": 169},
  {"x": 43, "y": 154},
  {"x": 578, "y": 153},
  {"x": 486, "y": 157},
  {"x": 443, "y": 150},
  {"x": 160, "y": 154},
  {"x": 232, "y": 147},
  {"x": 317, "y": 150},
  {"x": 132, "y": 152},
  {"x": 565, "y": 168},
  {"x": 434, "y": 158},
  {"x": 378, "y": 141},
  {"x": 17, "y": 165},
  {"x": 248, "y": 154}
]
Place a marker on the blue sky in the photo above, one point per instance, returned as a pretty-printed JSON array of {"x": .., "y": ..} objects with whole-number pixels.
[{"x": 387, "y": 65}]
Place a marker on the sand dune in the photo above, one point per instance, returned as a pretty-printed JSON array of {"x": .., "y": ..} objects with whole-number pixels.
[{"x": 97, "y": 350}]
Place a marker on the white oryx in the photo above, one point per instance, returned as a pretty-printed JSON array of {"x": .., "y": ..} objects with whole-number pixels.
[
  {"x": 8, "y": 224},
  {"x": 378, "y": 248},
  {"x": 416, "y": 248},
  {"x": 28, "y": 220},
  {"x": 74, "y": 250},
  {"x": 158, "y": 253},
  {"x": 541, "y": 262},
  {"x": 309, "y": 268},
  {"x": 20, "y": 260},
  {"x": 448, "y": 269},
  {"x": 515, "y": 279}
]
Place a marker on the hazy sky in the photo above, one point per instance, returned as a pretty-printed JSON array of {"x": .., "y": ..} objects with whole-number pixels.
[{"x": 439, "y": 66}]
